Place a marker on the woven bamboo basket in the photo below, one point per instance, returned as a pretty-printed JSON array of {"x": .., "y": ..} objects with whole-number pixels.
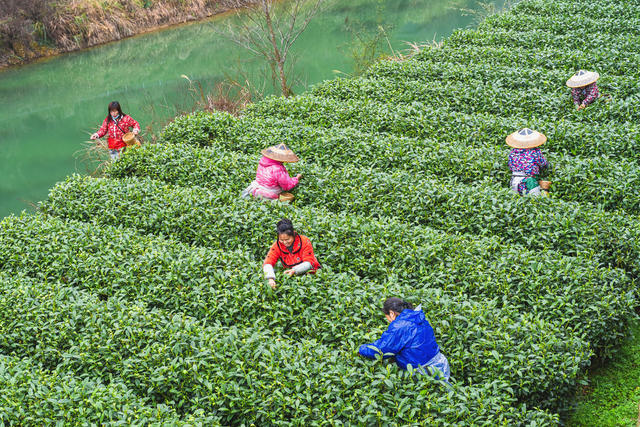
[
  {"x": 130, "y": 139},
  {"x": 286, "y": 197}
]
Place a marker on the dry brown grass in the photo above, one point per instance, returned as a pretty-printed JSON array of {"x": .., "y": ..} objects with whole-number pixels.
[
  {"x": 93, "y": 157},
  {"x": 77, "y": 24},
  {"x": 229, "y": 95},
  {"x": 412, "y": 50}
]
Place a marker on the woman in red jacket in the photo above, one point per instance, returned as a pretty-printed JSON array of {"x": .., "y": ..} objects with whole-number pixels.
[
  {"x": 293, "y": 250},
  {"x": 116, "y": 124}
]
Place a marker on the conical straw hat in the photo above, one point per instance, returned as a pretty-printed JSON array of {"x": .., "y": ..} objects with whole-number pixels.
[
  {"x": 526, "y": 138},
  {"x": 280, "y": 153},
  {"x": 582, "y": 78}
]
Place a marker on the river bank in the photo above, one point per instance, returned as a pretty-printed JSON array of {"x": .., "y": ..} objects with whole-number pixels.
[{"x": 34, "y": 29}]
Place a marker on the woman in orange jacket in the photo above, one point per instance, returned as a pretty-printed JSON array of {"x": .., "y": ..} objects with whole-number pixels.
[{"x": 293, "y": 250}]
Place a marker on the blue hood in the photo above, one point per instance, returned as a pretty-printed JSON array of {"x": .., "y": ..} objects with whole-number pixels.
[{"x": 415, "y": 316}]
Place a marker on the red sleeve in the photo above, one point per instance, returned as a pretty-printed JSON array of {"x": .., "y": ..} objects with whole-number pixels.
[
  {"x": 103, "y": 129},
  {"x": 273, "y": 256},
  {"x": 307, "y": 253},
  {"x": 132, "y": 123}
]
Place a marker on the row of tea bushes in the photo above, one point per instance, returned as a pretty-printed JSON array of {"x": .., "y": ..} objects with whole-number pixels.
[
  {"x": 508, "y": 76},
  {"x": 613, "y": 138},
  {"x": 618, "y": 10},
  {"x": 225, "y": 227},
  {"x": 457, "y": 209},
  {"x": 581, "y": 40},
  {"x": 602, "y": 181},
  {"x": 489, "y": 97},
  {"x": 564, "y": 22},
  {"x": 173, "y": 360},
  {"x": 34, "y": 396},
  {"x": 307, "y": 117},
  {"x": 611, "y": 62},
  {"x": 465, "y": 97}
]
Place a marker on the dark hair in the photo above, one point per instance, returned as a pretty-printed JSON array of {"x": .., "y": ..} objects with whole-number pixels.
[
  {"x": 115, "y": 105},
  {"x": 285, "y": 226},
  {"x": 395, "y": 304}
]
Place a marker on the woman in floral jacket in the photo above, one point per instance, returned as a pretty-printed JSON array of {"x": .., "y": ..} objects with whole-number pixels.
[
  {"x": 272, "y": 177},
  {"x": 116, "y": 124},
  {"x": 583, "y": 88},
  {"x": 526, "y": 161}
]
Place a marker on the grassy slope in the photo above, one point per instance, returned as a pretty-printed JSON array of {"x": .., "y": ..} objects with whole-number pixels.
[{"x": 613, "y": 396}]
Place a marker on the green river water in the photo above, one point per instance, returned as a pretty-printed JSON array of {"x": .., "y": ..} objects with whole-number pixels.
[{"x": 49, "y": 108}]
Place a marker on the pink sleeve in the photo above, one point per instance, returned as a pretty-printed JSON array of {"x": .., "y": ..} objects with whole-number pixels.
[
  {"x": 103, "y": 129},
  {"x": 285, "y": 181}
]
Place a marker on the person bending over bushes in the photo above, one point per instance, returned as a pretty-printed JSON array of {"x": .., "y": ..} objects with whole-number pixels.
[
  {"x": 525, "y": 161},
  {"x": 410, "y": 339},
  {"x": 583, "y": 88},
  {"x": 272, "y": 177},
  {"x": 293, "y": 250}
]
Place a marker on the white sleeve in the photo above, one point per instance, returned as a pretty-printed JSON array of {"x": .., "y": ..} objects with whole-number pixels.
[
  {"x": 268, "y": 271},
  {"x": 302, "y": 268}
]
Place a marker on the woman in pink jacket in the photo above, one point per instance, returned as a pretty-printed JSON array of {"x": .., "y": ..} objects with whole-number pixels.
[{"x": 272, "y": 177}]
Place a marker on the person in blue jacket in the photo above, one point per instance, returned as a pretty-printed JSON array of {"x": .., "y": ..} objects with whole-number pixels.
[{"x": 409, "y": 338}]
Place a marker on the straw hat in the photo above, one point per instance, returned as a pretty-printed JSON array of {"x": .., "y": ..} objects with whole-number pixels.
[
  {"x": 582, "y": 78},
  {"x": 526, "y": 138},
  {"x": 280, "y": 153}
]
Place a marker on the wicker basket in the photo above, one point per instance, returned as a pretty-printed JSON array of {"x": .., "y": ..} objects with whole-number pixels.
[
  {"x": 544, "y": 185},
  {"x": 130, "y": 139},
  {"x": 286, "y": 197}
]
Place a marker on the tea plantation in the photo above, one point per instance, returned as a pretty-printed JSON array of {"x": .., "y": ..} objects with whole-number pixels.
[{"x": 138, "y": 298}]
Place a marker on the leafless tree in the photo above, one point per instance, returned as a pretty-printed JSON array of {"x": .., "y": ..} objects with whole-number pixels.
[{"x": 269, "y": 28}]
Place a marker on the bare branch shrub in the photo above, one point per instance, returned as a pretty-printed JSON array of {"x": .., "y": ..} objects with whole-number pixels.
[{"x": 269, "y": 29}]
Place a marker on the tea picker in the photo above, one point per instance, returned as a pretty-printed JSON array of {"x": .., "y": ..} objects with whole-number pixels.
[
  {"x": 583, "y": 88},
  {"x": 526, "y": 161},
  {"x": 272, "y": 177},
  {"x": 117, "y": 125},
  {"x": 410, "y": 339},
  {"x": 293, "y": 250}
]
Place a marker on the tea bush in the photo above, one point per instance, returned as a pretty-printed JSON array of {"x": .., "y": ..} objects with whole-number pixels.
[
  {"x": 26, "y": 248},
  {"x": 178, "y": 362},
  {"x": 604, "y": 181},
  {"x": 32, "y": 395},
  {"x": 226, "y": 226},
  {"x": 478, "y": 210},
  {"x": 138, "y": 298}
]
